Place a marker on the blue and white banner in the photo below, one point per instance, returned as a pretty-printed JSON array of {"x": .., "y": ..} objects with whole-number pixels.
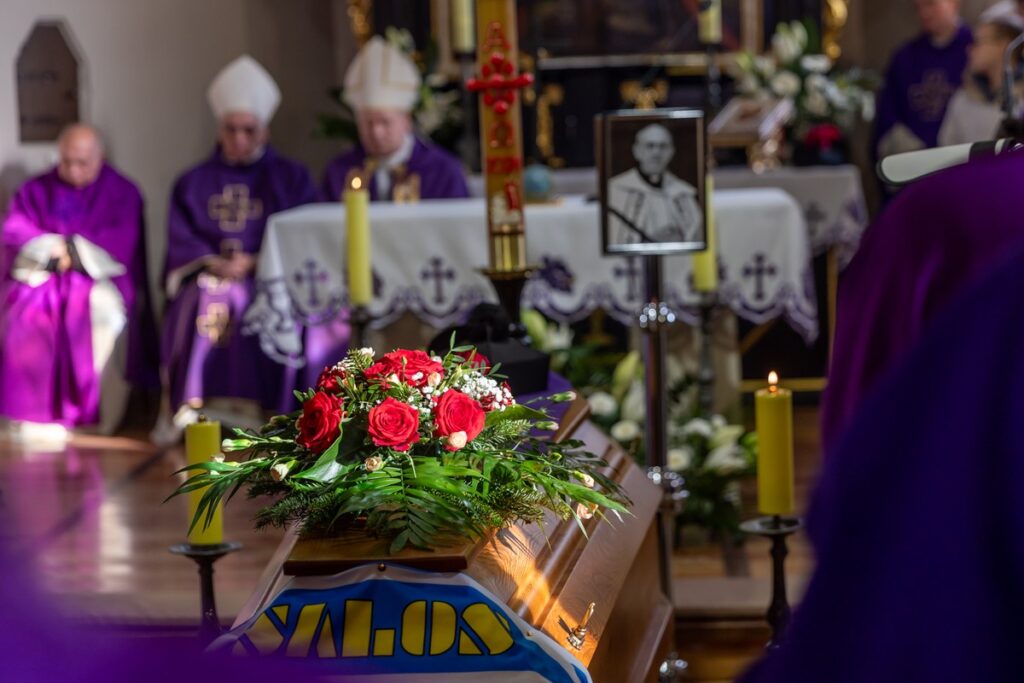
[{"x": 402, "y": 625}]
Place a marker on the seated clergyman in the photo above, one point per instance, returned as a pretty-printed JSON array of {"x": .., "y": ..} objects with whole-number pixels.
[
  {"x": 74, "y": 284},
  {"x": 648, "y": 203},
  {"x": 382, "y": 86}
]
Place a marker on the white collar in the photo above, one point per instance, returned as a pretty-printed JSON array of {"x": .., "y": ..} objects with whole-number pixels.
[{"x": 400, "y": 155}]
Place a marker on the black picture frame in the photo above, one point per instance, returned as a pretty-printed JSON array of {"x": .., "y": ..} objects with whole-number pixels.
[{"x": 630, "y": 200}]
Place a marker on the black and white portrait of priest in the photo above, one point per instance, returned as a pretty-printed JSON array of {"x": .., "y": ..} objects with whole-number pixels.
[{"x": 654, "y": 168}]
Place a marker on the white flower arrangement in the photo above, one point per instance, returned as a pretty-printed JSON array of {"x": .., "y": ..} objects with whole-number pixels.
[{"x": 794, "y": 69}]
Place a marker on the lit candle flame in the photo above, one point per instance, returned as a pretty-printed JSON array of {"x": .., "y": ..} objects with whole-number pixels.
[
  {"x": 773, "y": 381},
  {"x": 357, "y": 182}
]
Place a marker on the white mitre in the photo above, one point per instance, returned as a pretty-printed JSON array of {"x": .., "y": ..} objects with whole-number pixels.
[
  {"x": 244, "y": 86},
  {"x": 382, "y": 77}
]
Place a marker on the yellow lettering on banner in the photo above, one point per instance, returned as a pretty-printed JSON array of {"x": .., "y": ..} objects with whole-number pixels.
[
  {"x": 302, "y": 636},
  {"x": 325, "y": 646},
  {"x": 384, "y": 642},
  {"x": 414, "y": 626},
  {"x": 355, "y": 638},
  {"x": 264, "y": 635},
  {"x": 466, "y": 645},
  {"x": 442, "y": 628},
  {"x": 487, "y": 627}
]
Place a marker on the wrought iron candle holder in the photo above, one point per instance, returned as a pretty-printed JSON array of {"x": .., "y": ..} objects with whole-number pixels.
[
  {"x": 777, "y": 528},
  {"x": 204, "y": 556},
  {"x": 706, "y": 367},
  {"x": 359, "y": 321}
]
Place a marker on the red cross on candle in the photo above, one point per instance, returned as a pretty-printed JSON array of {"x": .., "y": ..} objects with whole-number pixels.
[{"x": 498, "y": 83}]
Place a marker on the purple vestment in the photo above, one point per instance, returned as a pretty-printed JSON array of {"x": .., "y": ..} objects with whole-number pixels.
[
  {"x": 917, "y": 524},
  {"x": 935, "y": 238},
  {"x": 217, "y": 208},
  {"x": 57, "y": 329},
  {"x": 440, "y": 174},
  {"x": 919, "y": 83}
]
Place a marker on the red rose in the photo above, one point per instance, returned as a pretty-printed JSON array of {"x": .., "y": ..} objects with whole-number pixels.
[
  {"x": 411, "y": 367},
  {"x": 330, "y": 379},
  {"x": 318, "y": 425},
  {"x": 394, "y": 424},
  {"x": 498, "y": 399},
  {"x": 478, "y": 361},
  {"x": 457, "y": 412}
]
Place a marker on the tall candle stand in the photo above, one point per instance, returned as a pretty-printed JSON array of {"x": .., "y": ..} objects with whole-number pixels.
[
  {"x": 359, "y": 322},
  {"x": 777, "y": 528},
  {"x": 508, "y": 285},
  {"x": 706, "y": 364},
  {"x": 204, "y": 556}
]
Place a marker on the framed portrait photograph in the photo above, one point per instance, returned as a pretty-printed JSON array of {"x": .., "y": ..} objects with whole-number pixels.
[{"x": 651, "y": 165}]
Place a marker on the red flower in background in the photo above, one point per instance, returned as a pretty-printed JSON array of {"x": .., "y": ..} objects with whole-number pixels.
[
  {"x": 456, "y": 412},
  {"x": 394, "y": 424},
  {"x": 823, "y": 136},
  {"x": 411, "y": 367},
  {"x": 319, "y": 422},
  {"x": 478, "y": 361}
]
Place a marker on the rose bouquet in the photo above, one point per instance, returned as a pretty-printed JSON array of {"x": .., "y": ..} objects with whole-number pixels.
[{"x": 415, "y": 448}]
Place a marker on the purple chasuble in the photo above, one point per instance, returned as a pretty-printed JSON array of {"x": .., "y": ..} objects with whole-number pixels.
[
  {"x": 917, "y": 524},
  {"x": 50, "y": 322},
  {"x": 440, "y": 173},
  {"x": 933, "y": 240},
  {"x": 217, "y": 208},
  {"x": 919, "y": 83}
]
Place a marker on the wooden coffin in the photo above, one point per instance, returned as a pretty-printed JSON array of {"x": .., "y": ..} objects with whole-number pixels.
[{"x": 549, "y": 581}]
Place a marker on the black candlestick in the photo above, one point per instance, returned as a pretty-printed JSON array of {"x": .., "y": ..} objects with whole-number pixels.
[
  {"x": 205, "y": 556},
  {"x": 706, "y": 368},
  {"x": 359, "y": 320},
  {"x": 776, "y": 528},
  {"x": 508, "y": 285}
]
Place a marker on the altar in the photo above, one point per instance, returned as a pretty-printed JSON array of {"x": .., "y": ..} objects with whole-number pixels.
[{"x": 427, "y": 259}]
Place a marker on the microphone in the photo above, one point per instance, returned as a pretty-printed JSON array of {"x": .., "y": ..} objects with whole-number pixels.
[{"x": 900, "y": 169}]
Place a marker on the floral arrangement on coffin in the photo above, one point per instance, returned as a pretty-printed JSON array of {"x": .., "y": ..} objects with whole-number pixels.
[
  {"x": 827, "y": 102},
  {"x": 419, "y": 449},
  {"x": 438, "y": 112}
]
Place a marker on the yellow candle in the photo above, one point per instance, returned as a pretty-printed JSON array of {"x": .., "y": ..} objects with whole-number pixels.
[
  {"x": 705, "y": 263},
  {"x": 202, "y": 442},
  {"x": 709, "y": 26},
  {"x": 357, "y": 225},
  {"x": 774, "y": 418},
  {"x": 462, "y": 27}
]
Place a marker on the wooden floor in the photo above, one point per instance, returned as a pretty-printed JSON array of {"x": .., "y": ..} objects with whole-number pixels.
[{"x": 92, "y": 517}]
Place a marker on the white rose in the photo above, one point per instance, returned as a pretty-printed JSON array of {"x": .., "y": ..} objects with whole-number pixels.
[
  {"x": 765, "y": 66},
  {"x": 816, "y": 64},
  {"x": 366, "y": 351},
  {"x": 625, "y": 431},
  {"x": 816, "y": 83},
  {"x": 697, "y": 426},
  {"x": 457, "y": 440},
  {"x": 602, "y": 404},
  {"x": 559, "y": 337},
  {"x": 816, "y": 104},
  {"x": 726, "y": 460},
  {"x": 727, "y": 435},
  {"x": 373, "y": 463},
  {"x": 799, "y": 33},
  {"x": 680, "y": 459},
  {"x": 634, "y": 405},
  {"x": 785, "y": 47},
  {"x": 785, "y": 84}
]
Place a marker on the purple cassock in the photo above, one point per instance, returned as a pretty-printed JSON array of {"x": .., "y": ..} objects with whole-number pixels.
[
  {"x": 919, "y": 83},
  {"x": 439, "y": 173},
  {"x": 935, "y": 238},
  {"x": 217, "y": 208},
  {"x": 58, "y": 330},
  {"x": 917, "y": 524}
]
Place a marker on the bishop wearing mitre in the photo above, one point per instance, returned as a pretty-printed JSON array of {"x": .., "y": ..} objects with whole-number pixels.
[
  {"x": 382, "y": 86},
  {"x": 218, "y": 212}
]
